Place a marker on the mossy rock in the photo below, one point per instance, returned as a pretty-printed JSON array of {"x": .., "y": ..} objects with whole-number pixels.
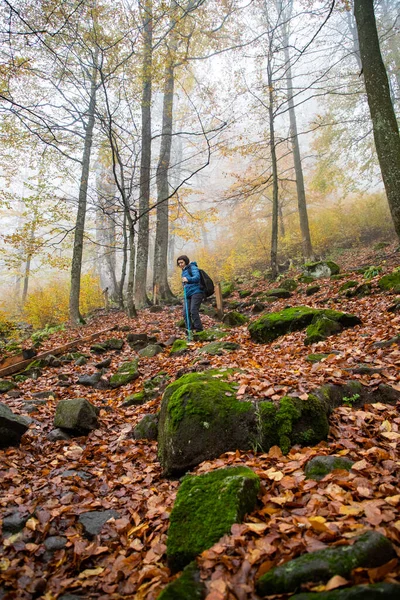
[
  {"x": 348, "y": 285},
  {"x": 292, "y": 421},
  {"x": 278, "y": 293},
  {"x": 305, "y": 279},
  {"x": 376, "y": 591},
  {"x": 317, "y": 357},
  {"x": 312, "y": 289},
  {"x": 6, "y": 386},
  {"x": 199, "y": 420},
  {"x": 154, "y": 384},
  {"x": 319, "y": 466},
  {"x": 218, "y": 348},
  {"x": 12, "y": 427},
  {"x": 333, "y": 395},
  {"x": 126, "y": 373},
  {"x": 339, "y": 276},
  {"x": 321, "y": 328},
  {"x": 227, "y": 288},
  {"x": 391, "y": 281},
  {"x": 235, "y": 319},
  {"x": 205, "y": 509},
  {"x": 362, "y": 290},
  {"x": 244, "y": 293},
  {"x": 76, "y": 414},
  {"x": 179, "y": 347},
  {"x": 271, "y": 326},
  {"x": 322, "y": 268},
  {"x": 81, "y": 361},
  {"x": 289, "y": 284},
  {"x": 98, "y": 348},
  {"x": 147, "y": 428},
  {"x": 136, "y": 399},
  {"x": 150, "y": 351},
  {"x": 370, "y": 550},
  {"x": 258, "y": 307},
  {"x": 188, "y": 586},
  {"x": 114, "y": 344}
]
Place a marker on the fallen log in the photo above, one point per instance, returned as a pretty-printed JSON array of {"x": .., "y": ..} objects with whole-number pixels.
[{"x": 19, "y": 366}]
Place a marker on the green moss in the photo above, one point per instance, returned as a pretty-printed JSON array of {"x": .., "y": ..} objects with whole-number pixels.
[
  {"x": 271, "y": 326},
  {"x": 126, "y": 373},
  {"x": 279, "y": 293},
  {"x": 319, "y": 466},
  {"x": 348, "y": 285},
  {"x": 235, "y": 319},
  {"x": 98, "y": 348},
  {"x": 217, "y": 348},
  {"x": 332, "y": 266},
  {"x": 227, "y": 287},
  {"x": 322, "y": 328},
  {"x": 376, "y": 591},
  {"x": 150, "y": 351},
  {"x": 205, "y": 509},
  {"x": 305, "y": 279},
  {"x": 317, "y": 357},
  {"x": 179, "y": 347},
  {"x": 289, "y": 284},
  {"x": 147, "y": 428},
  {"x": 186, "y": 587},
  {"x": 312, "y": 289},
  {"x": 390, "y": 281},
  {"x": 6, "y": 386},
  {"x": 371, "y": 549},
  {"x": 338, "y": 277},
  {"x": 135, "y": 399},
  {"x": 244, "y": 293},
  {"x": 208, "y": 335}
]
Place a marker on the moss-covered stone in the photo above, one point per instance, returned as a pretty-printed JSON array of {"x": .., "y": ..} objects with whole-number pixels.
[
  {"x": 227, "y": 288},
  {"x": 76, "y": 414},
  {"x": 114, "y": 344},
  {"x": 271, "y": 326},
  {"x": 305, "y": 279},
  {"x": 289, "y": 284},
  {"x": 199, "y": 420},
  {"x": 218, "y": 348},
  {"x": 147, "y": 428},
  {"x": 317, "y": 357},
  {"x": 126, "y": 373},
  {"x": 376, "y": 591},
  {"x": 6, "y": 386},
  {"x": 321, "y": 328},
  {"x": 150, "y": 351},
  {"x": 391, "y": 281},
  {"x": 136, "y": 399},
  {"x": 322, "y": 268},
  {"x": 179, "y": 347},
  {"x": 188, "y": 586},
  {"x": 339, "y": 276},
  {"x": 319, "y": 466},
  {"x": 370, "y": 550},
  {"x": 312, "y": 289},
  {"x": 209, "y": 335},
  {"x": 278, "y": 293},
  {"x": 362, "y": 290},
  {"x": 205, "y": 509},
  {"x": 98, "y": 348},
  {"x": 347, "y": 285},
  {"x": 235, "y": 319},
  {"x": 244, "y": 293}
]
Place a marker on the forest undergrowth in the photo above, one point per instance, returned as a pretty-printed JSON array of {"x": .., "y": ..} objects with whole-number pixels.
[{"x": 293, "y": 516}]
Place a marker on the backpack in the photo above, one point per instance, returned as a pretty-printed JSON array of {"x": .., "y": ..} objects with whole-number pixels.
[{"x": 206, "y": 283}]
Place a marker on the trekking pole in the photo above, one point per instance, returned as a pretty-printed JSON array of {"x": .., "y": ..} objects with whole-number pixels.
[{"x": 189, "y": 335}]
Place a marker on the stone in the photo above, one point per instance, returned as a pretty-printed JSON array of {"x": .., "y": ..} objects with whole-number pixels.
[
  {"x": 278, "y": 293},
  {"x": 314, "y": 358},
  {"x": 387, "y": 343},
  {"x": 147, "y": 428},
  {"x": 186, "y": 587},
  {"x": 289, "y": 284},
  {"x": 89, "y": 380},
  {"x": 76, "y": 414},
  {"x": 319, "y": 466},
  {"x": 12, "y": 427},
  {"x": 312, "y": 289},
  {"x": 6, "y": 386},
  {"x": 362, "y": 290},
  {"x": 136, "y": 337},
  {"x": 179, "y": 347},
  {"x": 114, "y": 344},
  {"x": 320, "y": 269},
  {"x": 73, "y": 473},
  {"x": 390, "y": 282},
  {"x": 81, "y": 361},
  {"x": 104, "y": 364},
  {"x": 98, "y": 348},
  {"x": 126, "y": 373},
  {"x": 227, "y": 288},
  {"x": 170, "y": 341},
  {"x": 272, "y": 325},
  {"x": 376, "y": 591},
  {"x": 55, "y": 542},
  {"x": 209, "y": 335},
  {"x": 150, "y": 351},
  {"x": 321, "y": 328},
  {"x": 205, "y": 509},
  {"x": 58, "y": 434},
  {"x": 93, "y": 521},
  {"x": 156, "y": 308},
  {"x": 348, "y": 285},
  {"x": 15, "y": 522},
  {"x": 136, "y": 399},
  {"x": 258, "y": 307},
  {"x": 218, "y": 348},
  {"x": 45, "y": 395},
  {"x": 370, "y": 550},
  {"x": 244, "y": 293},
  {"x": 234, "y": 319}
]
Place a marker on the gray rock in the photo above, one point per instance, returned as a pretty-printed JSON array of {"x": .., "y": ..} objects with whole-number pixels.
[
  {"x": 187, "y": 586},
  {"x": 15, "y": 522},
  {"x": 126, "y": 373},
  {"x": 376, "y": 591},
  {"x": 55, "y": 542},
  {"x": 104, "y": 364},
  {"x": 73, "y": 473},
  {"x": 90, "y": 380},
  {"x": 151, "y": 350},
  {"x": 44, "y": 395},
  {"x": 93, "y": 521},
  {"x": 6, "y": 386},
  {"x": 58, "y": 434},
  {"x": 12, "y": 427},
  {"x": 321, "y": 269},
  {"x": 218, "y": 348},
  {"x": 76, "y": 414},
  {"x": 319, "y": 466},
  {"x": 147, "y": 429}
]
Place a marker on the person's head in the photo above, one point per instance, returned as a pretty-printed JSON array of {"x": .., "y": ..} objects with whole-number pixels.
[{"x": 182, "y": 261}]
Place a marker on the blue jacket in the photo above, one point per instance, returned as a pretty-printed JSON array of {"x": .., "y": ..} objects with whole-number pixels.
[{"x": 191, "y": 271}]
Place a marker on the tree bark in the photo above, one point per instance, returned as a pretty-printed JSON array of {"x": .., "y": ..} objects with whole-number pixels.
[
  {"x": 76, "y": 268},
  {"x": 145, "y": 161},
  {"x": 386, "y": 131},
  {"x": 275, "y": 185}
]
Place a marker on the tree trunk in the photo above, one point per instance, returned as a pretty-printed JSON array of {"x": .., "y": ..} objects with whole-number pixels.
[
  {"x": 130, "y": 305},
  {"x": 145, "y": 161},
  {"x": 275, "y": 190},
  {"x": 123, "y": 268},
  {"x": 160, "y": 279},
  {"x": 26, "y": 278},
  {"x": 386, "y": 131},
  {"x": 76, "y": 268}
]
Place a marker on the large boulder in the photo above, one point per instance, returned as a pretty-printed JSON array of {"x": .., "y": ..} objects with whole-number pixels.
[
  {"x": 272, "y": 325},
  {"x": 322, "y": 268},
  {"x": 126, "y": 373},
  {"x": 205, "y": 509},
  {"x": 370, "y": 550},
  {"x": 376, "y": 591},
  {"x": 77, "y": 415},
  {"x": 12, "y": 427},
  {"x": 201, "y": 418}
]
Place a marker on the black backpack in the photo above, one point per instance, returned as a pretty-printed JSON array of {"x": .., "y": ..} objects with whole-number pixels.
[{"x": 206, "y": 283}]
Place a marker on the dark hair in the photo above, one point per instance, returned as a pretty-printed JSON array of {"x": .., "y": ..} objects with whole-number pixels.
[{"x": 183, "y": 257}]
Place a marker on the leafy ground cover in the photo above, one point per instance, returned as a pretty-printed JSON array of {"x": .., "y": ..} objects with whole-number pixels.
[{"x": 52, "y": 484}]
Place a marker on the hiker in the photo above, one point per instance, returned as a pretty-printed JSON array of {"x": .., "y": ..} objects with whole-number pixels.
[{"x": 194, "y": 295}]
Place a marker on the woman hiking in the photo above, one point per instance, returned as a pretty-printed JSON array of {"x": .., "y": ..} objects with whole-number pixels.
[{"x": 194, "y": 295}]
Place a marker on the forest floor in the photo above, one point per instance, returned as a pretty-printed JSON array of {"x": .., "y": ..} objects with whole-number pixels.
[{"x": 294, "y": 515}]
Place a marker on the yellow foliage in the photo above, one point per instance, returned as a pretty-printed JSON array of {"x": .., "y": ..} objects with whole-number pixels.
[{"x": 49, "y": 304}]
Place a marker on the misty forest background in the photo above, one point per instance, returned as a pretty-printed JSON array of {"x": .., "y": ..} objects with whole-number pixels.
[{"x": 235, "y": 131}]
